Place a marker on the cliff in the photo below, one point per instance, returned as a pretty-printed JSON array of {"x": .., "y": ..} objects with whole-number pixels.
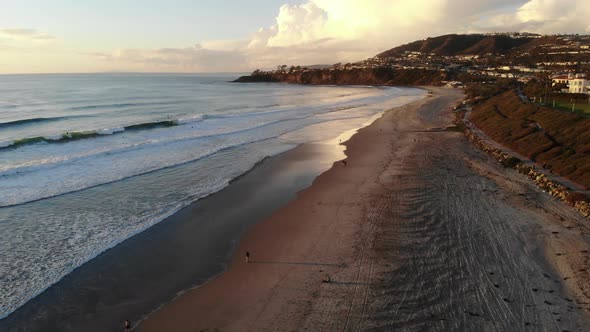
[{"x": 369, "y": 76}]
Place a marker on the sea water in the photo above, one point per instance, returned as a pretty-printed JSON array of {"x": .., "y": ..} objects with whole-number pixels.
[{"x": 86, "y": 161}]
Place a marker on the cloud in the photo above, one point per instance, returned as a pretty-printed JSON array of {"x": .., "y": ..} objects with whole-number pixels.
[
  {"x": 553, "y": 16},
  {"x": 351, "y": 30},
  {"x": 224, "y": 45},
  {"x": 26, "y": 35},
  {"x": 190, "y": 59},
  {"x": 330, "y": 31}
]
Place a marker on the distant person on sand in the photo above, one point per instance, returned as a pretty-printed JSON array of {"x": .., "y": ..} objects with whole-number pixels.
[
  {"x": 247, "y": 257},
  {"x": 127, "y": 326}
]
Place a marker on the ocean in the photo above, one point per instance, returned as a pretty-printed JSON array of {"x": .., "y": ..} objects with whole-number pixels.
[{"x": 89, "y": 160}]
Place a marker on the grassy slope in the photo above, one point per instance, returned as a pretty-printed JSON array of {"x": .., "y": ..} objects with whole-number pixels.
[
  {"x": 558, "y": 139},
  {"x": 566, "y": 106}
]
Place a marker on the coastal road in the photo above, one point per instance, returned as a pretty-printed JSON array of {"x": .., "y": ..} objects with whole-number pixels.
[{"x": 419, "y": 230}]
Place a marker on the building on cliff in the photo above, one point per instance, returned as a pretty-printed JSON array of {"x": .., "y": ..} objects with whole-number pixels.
[{"x": 579, "y": 83}]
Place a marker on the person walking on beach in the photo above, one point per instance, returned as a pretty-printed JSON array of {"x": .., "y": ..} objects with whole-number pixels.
[
  {"x": 247, "y": 257},
  {"x": 127, "y": 326}
]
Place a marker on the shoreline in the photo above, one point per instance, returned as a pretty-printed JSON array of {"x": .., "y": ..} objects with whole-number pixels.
[
  {"x": 418, "y": 229},
  {"x": 204, "y": 231},
  {"x": 184, "y": 305},
  {"x": 368, "y": 203},
  {"x": 292, "y": 170}
]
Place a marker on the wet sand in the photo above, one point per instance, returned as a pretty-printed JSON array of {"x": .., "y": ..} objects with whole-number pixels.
[
  {"x": 418, "y": 230},
  {"x": 178, "y": 253}
]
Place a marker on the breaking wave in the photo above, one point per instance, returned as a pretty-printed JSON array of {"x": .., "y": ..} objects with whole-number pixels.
[{"x": 78, "y": 135}]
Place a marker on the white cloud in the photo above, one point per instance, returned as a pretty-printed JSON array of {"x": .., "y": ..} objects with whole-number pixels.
[
  {"x": 189, "y": 59},
  {"x": 30, "y": 35},
  {"x": 556, "y": 16},
  {"x": 330, "y": 31},
  {"x": 298, "y": 24},
  {"x": 224, "y": 45}
]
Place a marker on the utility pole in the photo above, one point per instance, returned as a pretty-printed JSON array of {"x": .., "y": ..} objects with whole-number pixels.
[
  {"x": 574, "y": 106},
  {"x": 546, "y": 83}
]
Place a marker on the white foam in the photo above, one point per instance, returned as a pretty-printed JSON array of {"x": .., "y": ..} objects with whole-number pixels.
[
  {"x": 110, "y": 131},
  {"x": 55, "y": 137},
  {"x": 42, "y": 242},
  {"x": 192, "y": 119}
]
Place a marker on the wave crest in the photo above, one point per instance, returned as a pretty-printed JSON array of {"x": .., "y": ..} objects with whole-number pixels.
[{"x": 78, "y": 135}]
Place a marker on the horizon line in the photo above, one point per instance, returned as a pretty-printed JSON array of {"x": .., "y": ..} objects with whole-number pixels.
[{"x": 128, "y": 72}]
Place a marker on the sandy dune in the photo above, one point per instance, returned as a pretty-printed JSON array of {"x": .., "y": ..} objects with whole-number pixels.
[{"x": 418, "y": 231}]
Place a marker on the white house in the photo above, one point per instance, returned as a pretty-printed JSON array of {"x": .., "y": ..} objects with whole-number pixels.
[
  {"x": 576, "y": 83},
  {"x": 579, "y": 84}
]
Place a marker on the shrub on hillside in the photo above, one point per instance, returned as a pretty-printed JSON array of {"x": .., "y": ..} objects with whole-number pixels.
[
  {"x": 511, "y": 162},
  {"x": 573, "y": 197}
]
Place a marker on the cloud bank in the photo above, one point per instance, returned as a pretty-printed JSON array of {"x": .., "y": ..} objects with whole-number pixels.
[
  {"x": 330, "y": 31},
  {"x": 190, "y": 59},
  {"x": 22, "y": 39},
  {"x": 25, "y": 35}
]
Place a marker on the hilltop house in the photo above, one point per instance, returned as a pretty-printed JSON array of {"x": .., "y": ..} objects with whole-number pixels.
[{"x": 579, "y": 84}]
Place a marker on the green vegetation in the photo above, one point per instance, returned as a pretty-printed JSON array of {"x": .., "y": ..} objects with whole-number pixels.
[
  {"x": 511, "y": 162},
  {"x": 540, "y": 90},
  {"x": 566, "y": 106}
]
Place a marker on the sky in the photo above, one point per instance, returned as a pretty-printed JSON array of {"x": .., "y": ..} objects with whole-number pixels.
[{"x": 74, "y": 36}]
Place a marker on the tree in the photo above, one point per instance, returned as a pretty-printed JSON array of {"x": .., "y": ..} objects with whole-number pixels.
[{"x": 559, "y": 86}]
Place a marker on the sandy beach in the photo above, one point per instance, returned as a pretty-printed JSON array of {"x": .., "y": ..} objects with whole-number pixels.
[
  {"x": 185, "y": 250},
  {"x": 417, "y": 230}
]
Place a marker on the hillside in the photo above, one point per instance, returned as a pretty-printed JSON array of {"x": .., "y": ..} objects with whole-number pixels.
[
  {"x": 560, "y": 140},
  {"x": 549, "y": 52},
  {"x": 472, "y": 44},
  {"x": 466, "y": 58}
]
